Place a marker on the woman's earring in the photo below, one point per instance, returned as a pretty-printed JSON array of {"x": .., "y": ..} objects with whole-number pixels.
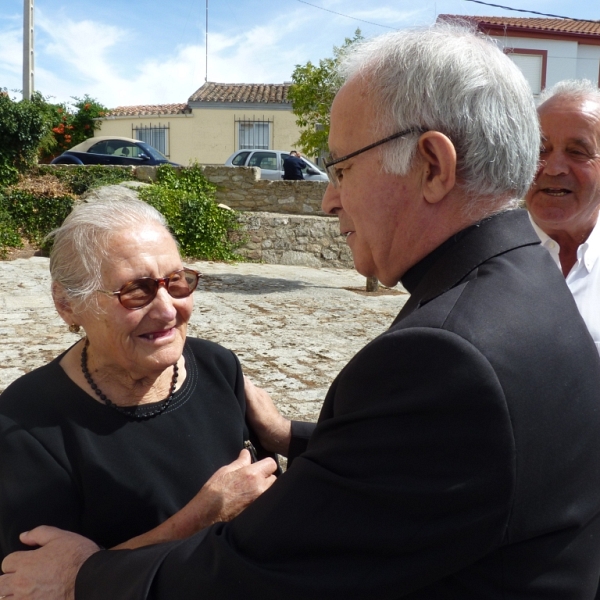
[{"x": 74, "y": 328}]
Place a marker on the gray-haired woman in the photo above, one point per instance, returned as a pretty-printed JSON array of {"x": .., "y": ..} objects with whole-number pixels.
[{"x": 120, "y": 432}]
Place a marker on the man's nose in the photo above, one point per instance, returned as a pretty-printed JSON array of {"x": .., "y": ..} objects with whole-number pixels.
[
  {"x": 331, "y": 200},
  {"x": 554, "y": 163}
]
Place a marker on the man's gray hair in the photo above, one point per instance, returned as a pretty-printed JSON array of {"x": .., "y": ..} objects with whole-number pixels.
[
  {"x": 451, "y": 79},
  {"x": 82, "y": 242},
  {"x": 576, "y": 89}
]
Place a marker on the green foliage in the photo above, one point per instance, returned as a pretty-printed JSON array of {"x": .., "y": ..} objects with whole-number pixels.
[
  {"x": 312, "y": 93},
  {"x": 32, "y": 215},
  {"x": 70, "y": 125},
  {"x": 22, "y": 127},
  {"x": 187, "y": 200},
  {"x": 9, "y": 235},
  {"x": 81, "y": 178}
]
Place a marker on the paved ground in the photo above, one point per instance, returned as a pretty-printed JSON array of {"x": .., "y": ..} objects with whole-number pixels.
[{"x": 293, "y": 328}]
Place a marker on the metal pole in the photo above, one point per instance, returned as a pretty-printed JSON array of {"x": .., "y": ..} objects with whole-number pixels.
[
  {"x": 27, "y": 49},
  {"x": 206, "y": 53}
]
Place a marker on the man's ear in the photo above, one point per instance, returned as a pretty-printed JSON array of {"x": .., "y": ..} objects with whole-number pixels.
[
  {"x": 438, "y": 159},
  {"x": 62, "y": 303}
]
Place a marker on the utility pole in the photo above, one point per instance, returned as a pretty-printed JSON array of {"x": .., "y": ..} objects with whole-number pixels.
[{"x": 28, "y": 49}]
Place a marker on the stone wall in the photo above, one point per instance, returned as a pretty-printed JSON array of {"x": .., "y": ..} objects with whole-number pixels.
[
  {"x": 274, "y": 216},
  {"x": 307, "y": 241},
  {"x": 241, "y": 189}
]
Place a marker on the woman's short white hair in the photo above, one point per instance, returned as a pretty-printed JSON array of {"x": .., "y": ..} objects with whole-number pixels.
[
  {"x": 452, "y": 79},
  {"x": 82, "y": 242}
]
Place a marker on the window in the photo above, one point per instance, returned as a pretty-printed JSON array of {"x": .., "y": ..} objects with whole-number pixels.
[
  {"x": 532, "y": 63},
  {"x": 156, "y": 136},
  {"x": 240, "y": 159},
  {"x": 254, "y": 134},
  {"x": 264, "y": 160}
]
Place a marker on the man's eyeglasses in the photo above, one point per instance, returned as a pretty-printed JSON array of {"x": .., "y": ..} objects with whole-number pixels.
[
  {"x": 140, "y": 292},
  {"x": 330, "y": 162}
]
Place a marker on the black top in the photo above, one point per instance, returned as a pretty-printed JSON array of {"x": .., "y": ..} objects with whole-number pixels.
[
  {"x": 292, "y": 168},
  {"x": 69, "y": 461}
]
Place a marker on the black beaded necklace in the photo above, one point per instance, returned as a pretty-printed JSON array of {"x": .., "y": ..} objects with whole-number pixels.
[{"x": 133, "y": 412}]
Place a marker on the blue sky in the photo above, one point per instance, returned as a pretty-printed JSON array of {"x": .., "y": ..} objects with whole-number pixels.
[{"x": 153, "y": 52}]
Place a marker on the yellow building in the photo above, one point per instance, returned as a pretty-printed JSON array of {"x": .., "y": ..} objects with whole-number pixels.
[{"x": 217, "y": 120}]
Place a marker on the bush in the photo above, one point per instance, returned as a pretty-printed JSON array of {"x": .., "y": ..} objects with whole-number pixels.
[
  {"x": 187, "y": 200},
  {"x": 23, "y": 125},
  {"x": 31, "y": 215},
  {"x": 9, "y": 235}
]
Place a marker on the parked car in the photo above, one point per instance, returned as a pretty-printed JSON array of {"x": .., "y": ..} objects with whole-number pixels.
[
  {"x": 106, "y": 150},
  {"x": 270, "y": 163}
]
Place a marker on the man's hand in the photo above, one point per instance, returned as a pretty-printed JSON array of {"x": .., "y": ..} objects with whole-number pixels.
[
  {"x": 224, "y": 496},
  {"x": 273, "y": 430},
  {"x": 49, "y": 572}
]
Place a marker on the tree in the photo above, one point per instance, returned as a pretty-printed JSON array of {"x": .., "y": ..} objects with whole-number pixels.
[{"x": 312, "y": 93}]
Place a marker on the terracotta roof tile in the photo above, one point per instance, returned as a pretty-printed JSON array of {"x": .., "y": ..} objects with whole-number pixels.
[
  {"x": 535, "y": 23},
  {"x": 242, "y": 92},
  {"x": 148, "y": 110}
]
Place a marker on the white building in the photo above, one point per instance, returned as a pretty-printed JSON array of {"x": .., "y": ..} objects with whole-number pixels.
[{"x": 546, "y": 50}]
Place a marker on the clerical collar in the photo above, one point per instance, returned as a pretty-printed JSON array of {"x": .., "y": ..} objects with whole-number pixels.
[{"x": 411, "y": 279}]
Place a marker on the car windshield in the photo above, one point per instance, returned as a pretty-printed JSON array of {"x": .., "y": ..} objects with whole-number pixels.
[
  {"x": 153, "y": 152},
  {"x": 311, "y": 163}
]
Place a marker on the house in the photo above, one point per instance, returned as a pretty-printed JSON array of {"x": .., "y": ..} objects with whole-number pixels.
[
  {"x": 217, "y": 120},
  {"x": 546, "y": 50}
]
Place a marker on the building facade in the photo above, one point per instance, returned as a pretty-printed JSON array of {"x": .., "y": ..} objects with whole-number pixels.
[{"x": 217, "y": 120}]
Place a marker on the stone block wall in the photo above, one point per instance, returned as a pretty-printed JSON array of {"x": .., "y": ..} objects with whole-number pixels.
[
  {"x": 241, "y": 189},
  {"x": 307, "y": 241}
]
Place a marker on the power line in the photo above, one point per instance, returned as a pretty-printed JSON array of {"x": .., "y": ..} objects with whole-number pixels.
[
  {"x": 348, "y": 16},
  {"x": 534, "y": 12}
]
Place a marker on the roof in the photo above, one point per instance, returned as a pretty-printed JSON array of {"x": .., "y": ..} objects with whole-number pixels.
[
  {"x": 89, "y": 142},
  {"x": 148, "y": 110},
  {"x": 534, "y": 25},
  {"x": 255, "y": 93}
]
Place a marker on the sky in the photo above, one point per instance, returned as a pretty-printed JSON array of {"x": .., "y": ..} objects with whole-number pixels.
[{"x": 125, "y": 53}]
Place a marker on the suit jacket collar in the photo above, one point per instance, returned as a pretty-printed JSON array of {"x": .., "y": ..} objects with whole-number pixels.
[{"x": 451, "y": 262}]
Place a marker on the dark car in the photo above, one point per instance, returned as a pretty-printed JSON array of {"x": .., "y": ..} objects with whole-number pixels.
[{"x": 104, "y": 150}]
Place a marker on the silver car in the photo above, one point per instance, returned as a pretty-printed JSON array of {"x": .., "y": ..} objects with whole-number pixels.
[{"x": 270, "y": 163}]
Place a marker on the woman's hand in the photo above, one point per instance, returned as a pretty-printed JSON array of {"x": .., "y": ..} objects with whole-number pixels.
[
  {"x": 224, "y": 496},
  {"x": 273, "y": 430}
]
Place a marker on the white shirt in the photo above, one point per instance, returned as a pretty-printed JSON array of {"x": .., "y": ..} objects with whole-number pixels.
[{"x": 584, "y": 278}]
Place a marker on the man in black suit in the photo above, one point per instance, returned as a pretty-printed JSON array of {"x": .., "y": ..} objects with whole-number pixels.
[{"x": 457, "y": 455}]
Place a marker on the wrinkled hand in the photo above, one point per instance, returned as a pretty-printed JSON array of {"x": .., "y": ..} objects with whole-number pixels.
[
  {"x": 273, "y": 430},
  {"x": 233, "y": 487},
  {"x": 49, "y": 572},
  {"x": 225, "y": 495}
]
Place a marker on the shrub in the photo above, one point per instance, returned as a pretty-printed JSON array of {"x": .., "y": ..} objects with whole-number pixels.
[
  {"x": 23, "y": 125},
  {"x": 9, "y": 235},
  {"x": 33, "y": 215},
  {"x": 187, "y": 200}
]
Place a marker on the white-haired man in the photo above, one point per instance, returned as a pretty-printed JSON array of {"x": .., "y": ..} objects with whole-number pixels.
[
  {"x": 564, "y": 201},
  {"x": 457, "y": 454}
]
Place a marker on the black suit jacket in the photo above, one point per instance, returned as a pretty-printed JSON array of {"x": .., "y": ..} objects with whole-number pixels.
[{"x": 456, "y": 456}]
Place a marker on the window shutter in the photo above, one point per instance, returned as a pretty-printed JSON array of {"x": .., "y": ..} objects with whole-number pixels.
[{"x": 531, "y": 67}]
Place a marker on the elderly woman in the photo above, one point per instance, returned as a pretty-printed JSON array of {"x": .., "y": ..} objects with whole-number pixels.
[{"x": 117, "y": 434}]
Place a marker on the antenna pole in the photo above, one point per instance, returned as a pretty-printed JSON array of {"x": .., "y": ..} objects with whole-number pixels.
[{"x": 206, "y": 39}]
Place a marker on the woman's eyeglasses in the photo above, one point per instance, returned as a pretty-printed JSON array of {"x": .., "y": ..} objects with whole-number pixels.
[{"x": 140, "y": 292}]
